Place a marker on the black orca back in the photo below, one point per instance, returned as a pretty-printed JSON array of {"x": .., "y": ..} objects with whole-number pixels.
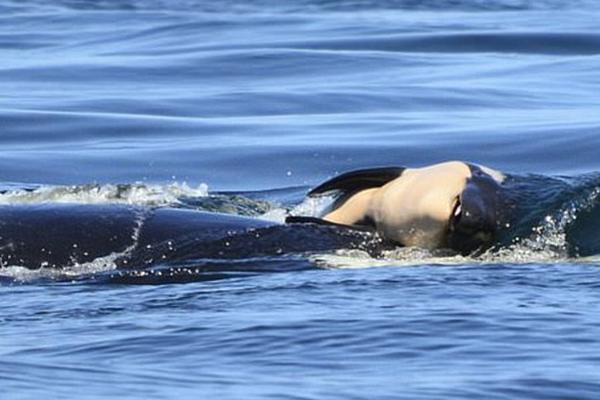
[{"x": 59, "y": 235}]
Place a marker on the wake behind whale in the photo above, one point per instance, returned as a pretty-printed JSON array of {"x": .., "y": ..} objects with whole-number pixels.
[{"x": 188, "y": 237}]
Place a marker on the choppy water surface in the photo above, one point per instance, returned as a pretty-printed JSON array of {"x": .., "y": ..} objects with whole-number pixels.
[{"x": 240, "y": 107}]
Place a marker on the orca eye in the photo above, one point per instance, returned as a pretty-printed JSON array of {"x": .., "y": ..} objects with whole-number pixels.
[{"x": 456, "y": 213}]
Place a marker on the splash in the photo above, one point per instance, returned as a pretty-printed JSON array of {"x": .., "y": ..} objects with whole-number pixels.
[
  {"x": 310, "y": 207},
  {"x": 132, "y": 194},
  {"x": 20, "y": 274},
  {"x": 400, "y": 257},
  {"x": 548, "y": 241}
]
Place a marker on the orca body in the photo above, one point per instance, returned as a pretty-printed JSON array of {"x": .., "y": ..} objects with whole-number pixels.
[
  {"x": 58, "y": 235},
  {"x": 449, "y": 205},
  {"x": 64, "y": 235}
]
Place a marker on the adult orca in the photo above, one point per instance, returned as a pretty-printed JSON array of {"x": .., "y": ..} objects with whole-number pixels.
[
  {"x": 58, "y": 235},
  {"x": 453, "y": 204},
  {"x": 55, "y": 235}
]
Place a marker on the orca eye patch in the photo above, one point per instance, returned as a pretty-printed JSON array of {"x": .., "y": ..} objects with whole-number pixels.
[{"x": 456, "y": 213}]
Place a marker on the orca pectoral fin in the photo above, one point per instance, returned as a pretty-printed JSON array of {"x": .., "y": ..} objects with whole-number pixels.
[
  {"x": 355, "y": 181},
  {"x": 348, "y": 184},
  {"x": 314, "y": 220}
]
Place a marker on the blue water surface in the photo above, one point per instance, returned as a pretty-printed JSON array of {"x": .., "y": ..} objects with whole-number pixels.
[{"x": 267, "y": 98}]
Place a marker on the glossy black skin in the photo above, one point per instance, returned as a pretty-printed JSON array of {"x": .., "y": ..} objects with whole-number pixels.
[
  {"x": 482, "y": 203},
  {"x": 63, "y": 235},
  {"x": 58, "y": 235}
]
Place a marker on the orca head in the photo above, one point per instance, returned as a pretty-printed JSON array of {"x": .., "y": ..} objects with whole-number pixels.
[{"x": 474, "y": 220}]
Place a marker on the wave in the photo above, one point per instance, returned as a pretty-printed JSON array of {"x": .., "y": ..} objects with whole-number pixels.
[{"x": 133, "y": 194}]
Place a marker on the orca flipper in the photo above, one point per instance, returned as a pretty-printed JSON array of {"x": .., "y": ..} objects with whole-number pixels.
[
  {"x": 355, "y": 181},
  {"x": 350, "y": 183}
]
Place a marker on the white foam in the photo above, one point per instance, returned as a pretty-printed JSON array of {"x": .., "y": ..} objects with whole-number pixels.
[
  {"x": 276, "y": 215},
  {"x": 133, "y": 194},
  {"x": 400, "y": 257},
  {"x": 310, "y": 207},
  {"x": 313, "y": 206},
  {"x": 403, "y": 257},
  {"x": 101, "y": 264}
]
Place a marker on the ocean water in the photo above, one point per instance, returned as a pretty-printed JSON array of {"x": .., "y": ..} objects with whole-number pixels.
[{"x": 240, "y": 107}]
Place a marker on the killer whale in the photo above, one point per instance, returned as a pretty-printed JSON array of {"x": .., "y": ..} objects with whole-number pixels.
[
  {"x": 57, "y": 235},
  {"x": 453, "y": 204}
]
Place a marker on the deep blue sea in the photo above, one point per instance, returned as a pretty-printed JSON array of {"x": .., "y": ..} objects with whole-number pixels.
[{"x": 241, "y": 107}]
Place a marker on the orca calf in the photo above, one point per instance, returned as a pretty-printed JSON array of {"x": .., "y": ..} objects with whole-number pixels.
[{"x": 452, "y": 205}]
